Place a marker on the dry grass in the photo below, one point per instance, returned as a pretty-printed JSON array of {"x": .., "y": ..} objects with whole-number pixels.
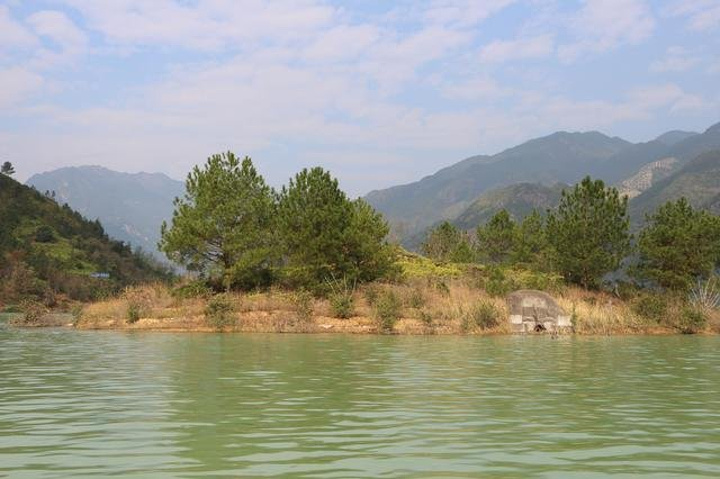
[{"x": 426, "y": 306}]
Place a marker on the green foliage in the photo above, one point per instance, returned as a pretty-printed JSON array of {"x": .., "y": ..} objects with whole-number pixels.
[
  {"x": 678, "y": 245},
  {"x": 326, "y": 235},
  {"x": 139, "y": 304},
  {"x": 48, "y": 250},
  {"x": 342, "y": 298},
  {"x": 531, "y": 247},
  {"x": 193, "y": 289},
  {"x": 7, "y": 169},
  {"x": 448, "y": 244},
  {"x": 498, "y": 284},
  {"x": 387, "y": 310},
  {"x": 651, "y": 306},
  {"x": 371, "y": 294},
  {"x": 416, "y": 266},
  {"x": 45, "y": 234},
  {"x": 343, "y": 305},
  {"x": 496, "y": 239},
  {"x": 224, "y": 225},
  {"x": 589, "y": 232},
  {"x": 485, "y": 315},
  {"x": 691, "y": 321},
  {"x": 219, "y": 311},
  {"x": 367, "y": 252}
]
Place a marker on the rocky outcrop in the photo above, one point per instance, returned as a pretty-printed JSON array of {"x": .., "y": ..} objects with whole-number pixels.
[{"x": 536, "y": 311}]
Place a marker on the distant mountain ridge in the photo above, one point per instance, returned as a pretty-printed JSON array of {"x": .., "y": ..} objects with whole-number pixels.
[
  {"x": 519, "y": 200},
  {"x": 557, "y": 158},
  {"x": 130, "y": 206},
  {"x": 697, "y": 180}
]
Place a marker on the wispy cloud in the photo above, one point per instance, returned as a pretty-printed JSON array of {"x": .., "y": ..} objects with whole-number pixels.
[
  {"x": 701, "y": 14},
  {"x": 603, "y": 25},
  {"x": 519, "y": 49}
]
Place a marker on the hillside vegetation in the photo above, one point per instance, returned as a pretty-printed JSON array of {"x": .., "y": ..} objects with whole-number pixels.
[
  {"x": 698, "y": 181},
  {"x": 48, "y": 252}
]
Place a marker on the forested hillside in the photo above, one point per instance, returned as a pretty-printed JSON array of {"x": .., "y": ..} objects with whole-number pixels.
[{"x": 49, "y": 252}]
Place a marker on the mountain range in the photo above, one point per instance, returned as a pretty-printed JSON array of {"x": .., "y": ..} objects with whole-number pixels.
[
  {"x": 529, "y": 176},
  {"x": 131, "y": 207},
  {"x": 561, "y": 157}
]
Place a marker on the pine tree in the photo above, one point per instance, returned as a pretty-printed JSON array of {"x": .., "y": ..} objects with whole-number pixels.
[
  {"x": 7, "y": 169},
  {"x": 589, "y": 232},
  {"x": 325, "y": 235},
  {"x": 531, "y": 247},
  {"x": 223, "y": 226},
  {"x": 678, "y": 245},
  {"x": 447, "y": 243},
  {"x": 495, "y": 240}
]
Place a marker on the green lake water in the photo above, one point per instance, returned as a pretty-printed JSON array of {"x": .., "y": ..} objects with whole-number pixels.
[{"x": 157, "y": 405}]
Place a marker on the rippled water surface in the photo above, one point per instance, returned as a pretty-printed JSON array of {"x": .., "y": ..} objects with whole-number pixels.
[{"x": 98, "y": 404}]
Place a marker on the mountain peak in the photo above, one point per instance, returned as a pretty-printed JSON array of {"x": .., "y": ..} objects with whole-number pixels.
[{"x": 673, "y": 137}]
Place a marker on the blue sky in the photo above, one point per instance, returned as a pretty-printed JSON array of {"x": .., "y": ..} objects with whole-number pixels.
[{"x": 379, "y": 92}]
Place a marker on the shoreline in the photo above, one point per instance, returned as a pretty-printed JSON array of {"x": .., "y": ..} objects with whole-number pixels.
[{"x": 280, "y": 323}]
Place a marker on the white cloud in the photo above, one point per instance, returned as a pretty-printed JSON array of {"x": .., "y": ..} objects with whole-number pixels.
[
  {"x": 480, "y": 88},
  {"x": 677, "y": 59},
  {"x": 463, "y": 12},
  {"x": 520, "y": 49},
  {"x": 58, "y": 28},
  {"x": 701, "y": 14},
  {"x": 602, "y": 25},
  {"x": 205, "y": 24},
  {"x": 13, "y": 35},
  {"x": 16, "y": 84}
]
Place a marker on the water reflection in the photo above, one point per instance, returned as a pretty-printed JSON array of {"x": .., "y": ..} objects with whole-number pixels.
[{"x": 171, "y": 405}]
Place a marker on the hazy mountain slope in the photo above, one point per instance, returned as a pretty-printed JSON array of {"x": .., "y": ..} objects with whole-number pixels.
[
  {"x": 696, "y": 145},
  {"x": 519, "y": 200},
  {"x": 560, "y": 157},
  {"x": 131, "y": 207},
  {"x": 675, "y": 136},
  {"x": 698, "y": 181}
]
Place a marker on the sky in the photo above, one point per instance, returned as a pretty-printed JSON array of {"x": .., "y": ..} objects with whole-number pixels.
[{"x": 378, "y": 92}]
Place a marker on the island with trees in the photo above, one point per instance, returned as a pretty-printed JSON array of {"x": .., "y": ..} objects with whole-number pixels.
[{"x": 307, "y": 258}]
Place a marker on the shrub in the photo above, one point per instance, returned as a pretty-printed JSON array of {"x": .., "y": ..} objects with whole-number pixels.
[
  {"x": 342, "y": 298},
  {"x": 387, "y": 310},
  {"x": 32, "y": 311},
  {"x": 442, "y": 287},
  {"x": 303, "y": 305},
  {"x": 219, "y": 311},
  {"x": 426, "y": 317},
  {"x": 498, "y": 284},
  {"x": 650, "y": 306},
  {"x": 691, "y": 320},
  {"x": 416, "y": 299},
  {"x": 139, "y": 302},
  {"x": 371, "y": 295},
  {"x": 193, "y": 289},
  {"x": 342, "y": 304},
  {"x": 705, "y": 295},
  {"x": 485, "y": 315}
]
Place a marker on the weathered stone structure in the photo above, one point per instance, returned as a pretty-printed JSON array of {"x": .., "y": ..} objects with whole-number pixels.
[{"x": 536, "y": 311}]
